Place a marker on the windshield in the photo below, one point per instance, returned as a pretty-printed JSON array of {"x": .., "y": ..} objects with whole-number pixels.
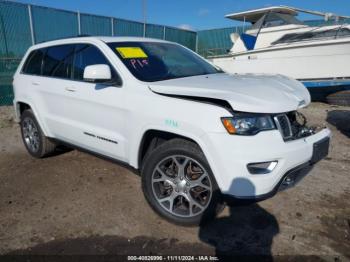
[{"x": 153, "y": 61}]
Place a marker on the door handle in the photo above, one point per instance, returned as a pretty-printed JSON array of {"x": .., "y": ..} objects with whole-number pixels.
[
  {"x": 71, "y": 89},
  {"x": 35, "y": 84}
]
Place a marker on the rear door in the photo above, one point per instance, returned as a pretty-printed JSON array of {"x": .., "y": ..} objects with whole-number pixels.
[
  {"x": 46, "y": 71},
  {"x": 55, "y": 75}
]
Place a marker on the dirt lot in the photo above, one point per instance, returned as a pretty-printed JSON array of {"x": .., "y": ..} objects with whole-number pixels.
[{"x": 75, "y": 203}]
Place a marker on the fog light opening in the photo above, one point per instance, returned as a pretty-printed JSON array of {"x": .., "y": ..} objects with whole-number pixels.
[
  {"x": 262, "y": 167},
  {"x": 288, "y": 181}
]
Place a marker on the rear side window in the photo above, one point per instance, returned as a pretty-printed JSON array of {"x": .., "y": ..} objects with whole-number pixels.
[
  {"x": 86, "y": 55},
  {"x": 58, "y": 61},
  {"x": 33, "y": 63}
]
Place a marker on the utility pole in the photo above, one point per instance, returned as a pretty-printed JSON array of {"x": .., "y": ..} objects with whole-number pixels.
[
  {"x": 144, "y": 12},
  {"x": 4, "y": 35}
]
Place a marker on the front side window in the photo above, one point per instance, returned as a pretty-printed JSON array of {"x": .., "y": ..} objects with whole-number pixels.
[
  {"x": 154, "y": 61},
  {"x": 32, "y": 66},
  {"x": 86, "y": 55}
]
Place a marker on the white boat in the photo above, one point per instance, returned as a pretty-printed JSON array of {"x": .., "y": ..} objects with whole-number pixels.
[{"x": 279, "y": 43}]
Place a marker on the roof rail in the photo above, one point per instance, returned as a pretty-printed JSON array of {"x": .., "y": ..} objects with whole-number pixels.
[{"x": 65, "y": 37}]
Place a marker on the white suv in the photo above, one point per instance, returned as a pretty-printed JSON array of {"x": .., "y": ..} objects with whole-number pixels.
[{"x": 197, "y": 135}]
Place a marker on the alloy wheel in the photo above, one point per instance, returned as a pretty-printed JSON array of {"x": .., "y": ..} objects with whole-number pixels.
[
  {"x": 182, "y": 186},
  {"x": 31, "y": 134}
]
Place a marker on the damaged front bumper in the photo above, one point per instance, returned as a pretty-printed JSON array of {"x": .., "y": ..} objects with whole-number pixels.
[{"x": 294, "y": 158}]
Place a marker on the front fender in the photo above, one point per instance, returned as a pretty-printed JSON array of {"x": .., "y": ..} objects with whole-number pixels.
[{"x": 136, "y": 142}]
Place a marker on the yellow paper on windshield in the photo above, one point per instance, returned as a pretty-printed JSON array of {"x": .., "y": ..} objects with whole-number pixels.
[{"x": 131, "y": 52}]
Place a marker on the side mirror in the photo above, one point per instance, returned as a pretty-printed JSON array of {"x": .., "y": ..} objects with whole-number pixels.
[{"x": 97, "y": 73}]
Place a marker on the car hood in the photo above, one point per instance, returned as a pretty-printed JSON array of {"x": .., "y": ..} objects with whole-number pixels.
[{"x": 245, "y": 93}]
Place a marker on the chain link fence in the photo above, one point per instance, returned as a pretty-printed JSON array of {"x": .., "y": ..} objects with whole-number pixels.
[
  {"x": 22, "y": 25},
  {"x": 8, "y": 67}
]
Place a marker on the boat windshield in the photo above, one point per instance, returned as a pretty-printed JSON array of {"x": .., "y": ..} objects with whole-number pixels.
[
  {"x": 157, "y": 61},
  {"x": 272, "y": 19},
  {"x": 314, "y": 35}
]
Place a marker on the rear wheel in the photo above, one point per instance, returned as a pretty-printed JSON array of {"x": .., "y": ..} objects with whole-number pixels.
[
  {"x": 341, "y": 98},
  {"x": 178, "y": 183},
  {"x": 36, "y": 143}
]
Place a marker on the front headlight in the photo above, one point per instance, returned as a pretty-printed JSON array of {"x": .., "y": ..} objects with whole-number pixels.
[{"x": 243, "y": 124}]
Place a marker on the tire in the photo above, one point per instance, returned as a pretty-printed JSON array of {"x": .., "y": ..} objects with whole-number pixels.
[
  {"x": 175, "y": 173},
  {"x": 36, "y": 143},
  {"x": 341, "y": 98}
]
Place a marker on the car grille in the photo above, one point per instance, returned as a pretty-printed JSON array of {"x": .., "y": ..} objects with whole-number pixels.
[
  {"x": 292, "y": 125},
  {"x": 284, "y": 126}
]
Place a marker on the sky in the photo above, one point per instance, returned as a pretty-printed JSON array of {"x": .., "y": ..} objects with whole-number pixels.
[{"x": 188, "y": 14}]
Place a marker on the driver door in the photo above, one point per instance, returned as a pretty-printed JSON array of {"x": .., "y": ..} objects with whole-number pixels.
[{"x": 94, "y": 113}]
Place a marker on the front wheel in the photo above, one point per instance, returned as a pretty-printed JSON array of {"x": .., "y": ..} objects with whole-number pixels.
[{"x": 178, "y": 183}]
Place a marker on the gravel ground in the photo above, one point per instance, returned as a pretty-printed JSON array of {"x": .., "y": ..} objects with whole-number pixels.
[{"x": 75, "y": 203}]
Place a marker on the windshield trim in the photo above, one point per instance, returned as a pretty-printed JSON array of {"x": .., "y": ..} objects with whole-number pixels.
[{"x": 179, "y": 77}]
